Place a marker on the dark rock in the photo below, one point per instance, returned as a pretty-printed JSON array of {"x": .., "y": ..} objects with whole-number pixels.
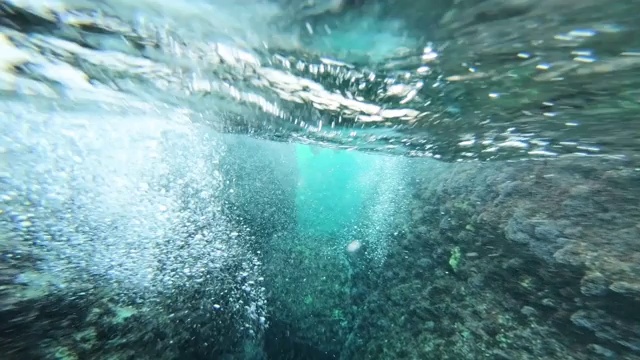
[
  {"x": 602, "y": 351},
  {"x": 618, "y": 331},
  {"x": 594, "y": 284},
  {"x": 571, "y": 254},
  {"x": 519, "y": 230},
  {"x": 529, "y": 311},
  {"x": 547, "y": 231},
  {"x": 511, "y": 188},
  {"x": 446, "y": 223},
  {"x": 625, "y": 288}
]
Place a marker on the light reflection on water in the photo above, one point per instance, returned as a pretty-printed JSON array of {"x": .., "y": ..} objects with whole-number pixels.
[{"x": 493, "y": 80}]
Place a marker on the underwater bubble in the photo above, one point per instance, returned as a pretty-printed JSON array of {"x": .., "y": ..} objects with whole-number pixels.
[{"x": 354, "y": 246}]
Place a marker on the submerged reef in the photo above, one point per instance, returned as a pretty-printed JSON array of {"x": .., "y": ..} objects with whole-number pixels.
[
  {"x": 548, "y": 266},
  {"x": 495, "y": 260}
]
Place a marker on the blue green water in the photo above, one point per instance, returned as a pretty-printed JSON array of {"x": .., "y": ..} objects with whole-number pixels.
[
  {"x": 332, "y": 202},
  {"x": 384, "y": 39},
  {"x": 471, "y": 192}
]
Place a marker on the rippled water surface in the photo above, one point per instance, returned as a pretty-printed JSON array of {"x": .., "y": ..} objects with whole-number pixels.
[{"x": 454, "y": 80}]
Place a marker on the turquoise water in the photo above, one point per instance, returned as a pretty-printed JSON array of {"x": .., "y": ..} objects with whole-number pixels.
[
  {"x": 383, "y": 41},
  {"x": 329, "y": 203},
  {"x": 347, "y": 180}
]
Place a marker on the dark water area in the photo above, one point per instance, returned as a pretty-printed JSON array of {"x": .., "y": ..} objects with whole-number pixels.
[{"x": 322, "y": 180}]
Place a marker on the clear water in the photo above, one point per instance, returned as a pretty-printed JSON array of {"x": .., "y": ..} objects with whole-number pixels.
[{"x": 272, "y": 179}]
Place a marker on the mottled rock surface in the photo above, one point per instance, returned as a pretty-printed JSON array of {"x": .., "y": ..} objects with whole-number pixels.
[{"x": 549, "y": 266}]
